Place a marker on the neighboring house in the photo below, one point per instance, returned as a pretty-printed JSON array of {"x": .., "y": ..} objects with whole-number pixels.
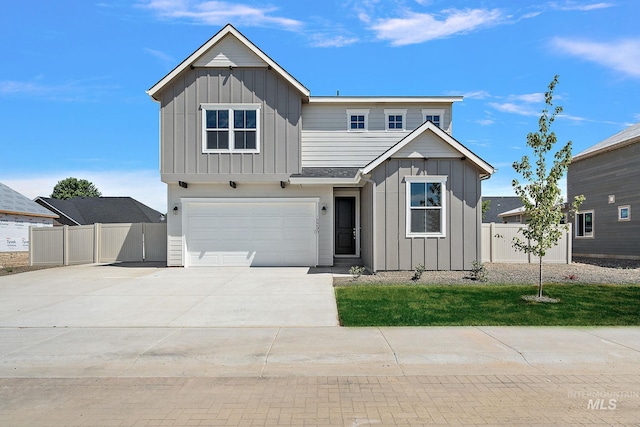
[
  {"x": 499, "y": 205},
  {"x": 259, "y": 172},
  {"x": 513, "y": 216},
  {"x": 17, "y": 214},
  {"x": 608, "y": 176},
  {"x": 105, "y": 210}
]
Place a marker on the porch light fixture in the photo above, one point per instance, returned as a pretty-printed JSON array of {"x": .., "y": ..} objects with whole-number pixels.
[
  {"x": 282, "y": 184},
  {"x": 175, "y": 210},
  {"x": 324, "y": 209},
  {"x": 183, "y": 184},
  {"x": 232, "y": 184}
]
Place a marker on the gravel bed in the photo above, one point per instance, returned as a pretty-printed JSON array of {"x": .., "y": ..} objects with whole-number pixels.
[{"x": 583, "y": 270}]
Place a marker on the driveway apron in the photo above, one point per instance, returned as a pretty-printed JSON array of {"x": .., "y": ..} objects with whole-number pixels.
[{"x": 142, "y": 296}]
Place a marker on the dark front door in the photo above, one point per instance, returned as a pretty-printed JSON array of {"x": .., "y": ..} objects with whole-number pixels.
[{"x": 345, "y": 239}]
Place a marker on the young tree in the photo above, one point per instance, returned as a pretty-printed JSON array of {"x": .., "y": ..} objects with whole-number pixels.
[
  {"x": 72, "y": 187},
  {"x": 541, "y": 194}
]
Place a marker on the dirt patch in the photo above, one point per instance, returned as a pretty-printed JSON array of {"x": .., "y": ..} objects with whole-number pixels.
[{"x": 5, "y": 271}]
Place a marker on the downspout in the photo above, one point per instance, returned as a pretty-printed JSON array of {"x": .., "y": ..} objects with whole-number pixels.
[{"x": 373, "y": 220}]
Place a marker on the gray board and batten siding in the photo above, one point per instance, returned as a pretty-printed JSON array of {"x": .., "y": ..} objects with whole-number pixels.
[
  {"x": 392, "y": 249},
  {"x": 614, "y": 173},
  {"x": 182, "y": 158}
]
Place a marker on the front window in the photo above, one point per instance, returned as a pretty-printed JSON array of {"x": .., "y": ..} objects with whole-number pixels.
[
  {"x": 434, "y": 116},
  {"x": 426, "y": 205},
  {"x": 584, "y": 224},
  {"x": 229, "y": 128},
  {"x": 435, "y": 119},
  {"x": 395, "y": 119},
  {"x": 357, "y": 120}
]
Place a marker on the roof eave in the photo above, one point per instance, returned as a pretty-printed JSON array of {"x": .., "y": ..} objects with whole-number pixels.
[
  {"x": 622, "y": 144},
  {"x": 228, "y": 29},
  {"x": 383, "y": 99},
  {"x": 486, "y": 170}
]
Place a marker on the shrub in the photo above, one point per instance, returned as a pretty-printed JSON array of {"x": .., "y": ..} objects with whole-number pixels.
[
  {"x": 479, "y": 272},
  {"x": 356, "y": 271},
  {"x": 417, "y": 274}
]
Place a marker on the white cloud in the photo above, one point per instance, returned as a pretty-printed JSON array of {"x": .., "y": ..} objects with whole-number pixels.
[
  {"x": 529, "y": 97},
  {"x": 572, "y": 5},
  {"x": 621, "y": 55},
  {"x": 220, "y": 13},
  {"x": 421, "y": 27},
  {"x": 163, "y": 57},
  {"x": 485, "y": 122},
  {"x": 322, "y": 40},
  {"x": 143, "y": 185},
  {"x": 72, "y": 90},
  {"x": 510, "y": 107}
]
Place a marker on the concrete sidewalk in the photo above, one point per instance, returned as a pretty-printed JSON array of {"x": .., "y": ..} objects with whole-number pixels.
[{"x": 279, "y": 352}]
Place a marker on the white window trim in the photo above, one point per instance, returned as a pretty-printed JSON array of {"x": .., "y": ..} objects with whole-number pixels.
[
  {"x": 628, "y": 208},
  {"x": 230, "y": 107},
  {"x": 364, "y": 113},
  {"x": 396, "y": 112},
  {"x": 593, "y": 225},
  {"x": 442, "y": 179},
  {"x": 434, "y": 112}
]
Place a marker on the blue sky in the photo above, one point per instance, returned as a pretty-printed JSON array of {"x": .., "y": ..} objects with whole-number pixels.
[{"x": 74, "y": 74}]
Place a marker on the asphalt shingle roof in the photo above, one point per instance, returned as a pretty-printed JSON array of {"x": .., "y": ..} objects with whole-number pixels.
[
  {"x": 628, "y": 134},
  {"x": 15, "y": 203},
  {"x": 327, "y": 173},
  {"x": 500, "y": 205},
  {"x": 89, "y": 210}
]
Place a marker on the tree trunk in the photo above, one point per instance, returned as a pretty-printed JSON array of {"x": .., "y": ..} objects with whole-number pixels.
[{"x": 540, "y": 280}]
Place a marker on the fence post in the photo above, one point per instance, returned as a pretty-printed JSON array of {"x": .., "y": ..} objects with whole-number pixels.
[
  {"x": 65, "y": 245},
  {"x": 491, "y": 242},
  {"x": 31, "y": 245},
  {"x": 569, "y": 245},
  {"x": 96, "y": 243}
]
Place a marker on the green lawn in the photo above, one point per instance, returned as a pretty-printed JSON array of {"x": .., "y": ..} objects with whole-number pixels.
[{"x": 580, "y": 305}]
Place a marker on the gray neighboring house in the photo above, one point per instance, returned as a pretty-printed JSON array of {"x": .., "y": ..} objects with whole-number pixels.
[
  {"x": 104, "y": 210},
  {"x": 17, "y": 214},
  {"x": 500, "y": 205},
  {"x": 608, "y": 175},
  {"x": 261, "y": 173}
]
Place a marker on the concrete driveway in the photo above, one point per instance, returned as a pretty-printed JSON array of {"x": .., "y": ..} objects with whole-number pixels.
[{"x": 138, "y": 295}]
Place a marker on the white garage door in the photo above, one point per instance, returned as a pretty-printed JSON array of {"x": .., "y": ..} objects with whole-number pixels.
[{"x": 251, "y": 232}]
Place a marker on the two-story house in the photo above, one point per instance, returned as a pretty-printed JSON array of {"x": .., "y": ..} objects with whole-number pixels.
[
  {"x": 261, "y": 173},
  {"x": 608, "y": 176}
]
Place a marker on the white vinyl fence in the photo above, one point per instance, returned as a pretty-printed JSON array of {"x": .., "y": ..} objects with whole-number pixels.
[
  {"x": 97, "y": 243},
  {"x": 497, "y": 246}
]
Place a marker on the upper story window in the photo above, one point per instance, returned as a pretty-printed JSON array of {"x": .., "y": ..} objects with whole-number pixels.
[
  {"x": 434, "y": 116},
  {"x": 358, "y": 120},
  {"x": 584, "y": 224},
  {"x": 624, "y": 213},
  {"x": 395, "y": 119},
  {"x": 426, "y": 206},
  {"x": 231, "y": 128}
]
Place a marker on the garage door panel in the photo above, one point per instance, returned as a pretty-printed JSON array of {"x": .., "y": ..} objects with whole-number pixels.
[{"x": 263, "y": 233}]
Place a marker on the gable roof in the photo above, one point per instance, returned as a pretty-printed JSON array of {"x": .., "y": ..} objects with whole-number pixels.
[
  {"x": 498, "y": 206},
  {"x": 485, "y": 168},
  {"x": 90, "y": 210},
  {"x": 628, "y": 136},
  {"x": 199, "y": 57},
  {"x": 14, "y": 203}
]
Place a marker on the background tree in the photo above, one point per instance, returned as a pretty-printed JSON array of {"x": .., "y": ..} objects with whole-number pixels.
[
  {"x": 486, "y": 205},
  {"x": 541, "y": 195},
  {"x": 72, "y": 187}
]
